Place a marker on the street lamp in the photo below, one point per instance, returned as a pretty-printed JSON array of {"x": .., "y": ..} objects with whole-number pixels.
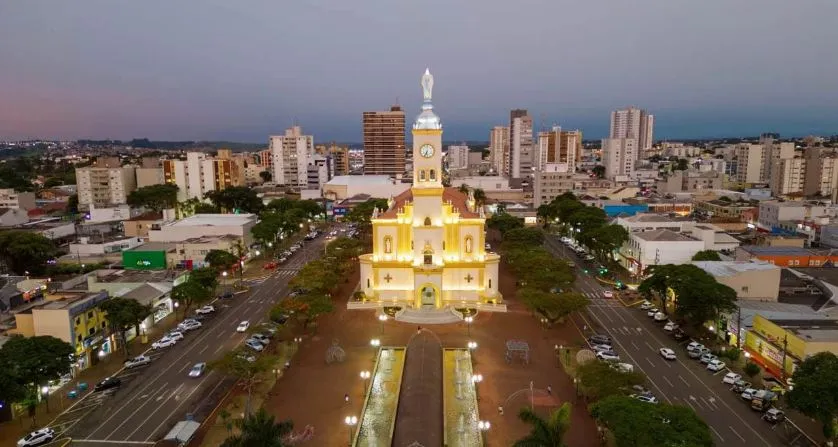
[
  {"x": 350, "y": 422},
  {"x": 258, "y": 252},
  {"x": 472, "y": 345},
  {"x": 375, "y": 343},
  {"x": 45, "y": 392},
  {"x": 224, "y": 275},
  {"x": 477, "y": 378},
  {"x": 365, "y": 375},
  {"x": 483, "y": 426},
  {"x": 382, "y": 318},
  {"x": 576, "y": 385},
  {"x": 469, "y": 319}
]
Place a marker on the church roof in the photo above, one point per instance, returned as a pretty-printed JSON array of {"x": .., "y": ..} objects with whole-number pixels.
[{"x": 453, "y": 195}]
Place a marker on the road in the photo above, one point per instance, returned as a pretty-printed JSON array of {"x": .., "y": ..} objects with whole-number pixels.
[
  {"x": 684, "y": 381},
  {"x": 153, "y": 398}
]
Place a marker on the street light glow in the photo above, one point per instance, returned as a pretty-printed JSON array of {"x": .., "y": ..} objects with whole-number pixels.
[
  {"x": 44, "y": 389},
  {"x": 483, "y": 425},
  {"x": 472, "y": 345},
  {"x": 224, "y": 274},
  {"x": 350, "y": 420},
  {"x": 477, "y": 378},
  {"x": 375, "y": 342},
  {"x": 365, "y": 375},
  {"x": 382, "y": 318},
  {"x": 469, "y": 319}
]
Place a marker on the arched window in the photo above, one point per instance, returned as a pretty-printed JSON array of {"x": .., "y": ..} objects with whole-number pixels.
[
  {"x": 433, "y": 175},
  {"x": 422, "y": 176},
  {"x": 443, "y": 245},
  {"x": 368, "y": 283},
  {"x": 429, "y": 257},
  {"x": 490, "y": 283},
  {"x": 411, "y": 245},
  {"x": 469, "y": 244},
  {"x": 388, "y": 244},
  {"x": 427, "y": 221}
]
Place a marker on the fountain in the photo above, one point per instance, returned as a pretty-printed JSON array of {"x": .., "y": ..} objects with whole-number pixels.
[
  {"x": 461, "y": 412},
  {"x": 379, "y": 412}
]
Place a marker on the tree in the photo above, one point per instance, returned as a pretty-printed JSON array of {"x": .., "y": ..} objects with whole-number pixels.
[
  {"x": 307, "y": 307},
  {"x": 698, "y": 297},
  {"x": 123, "y": 314},
  {"x": 606, "y": 239},
  {"x": 236, "y": 199},
  {"x": 260, "y": 430},
  {"x": 12, "y": 386},
  {"x": 238, "y": 364},
  {"x": 463, "y": 188},
  {"x": 154, "y": 197},
  {"x": 634, "y": 423},
  {"x": 362, "y": 213},
  {"x": 524, "y": 236},
  {"x": 205, "y": 208},
  {"x": 198, "y": 288},
  {"x": 36, "y": 360},
  {"x": 682, "y": 165},
  {"x": 707, "y": 255},
  {"x": 311, "y": 208},
  {"x": 601, "y": 379},
  {"x": 552, "y": 306},
  {"x": 751, "y": 369},
  {"x": 815, "y": 392},
  {"x": 73, "y": 204},
  {"x": 479, "y": 197},
  {"x": 266, "y": 176},
  {"x": 220, "y": 259},
  {"x": 599, "y": 171},
  {"x": 503, "y": 222},
  {"x": 23, "y": 251},
  {"x": 548, "y": 432}
]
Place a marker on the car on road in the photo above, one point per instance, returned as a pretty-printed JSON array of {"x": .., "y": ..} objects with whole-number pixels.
[
  {"x": 254, "y": 345},
  {"x": 748, "y": 394},
  {"x": 660, "y": 317},
  {"x": 198, "y": 370},
  {"x": 608, "y": 355},
  {"x": 670, "y": 326},
  {"x": 608, "y": 294},
  {"x": 731, "y": 378},
  {"x": 140, "y": 360},
  {"x": 176, "y": 334},
  {"x": 774, "y": 415},
  {"x": 208, "y": 309},
  {"x": 270, "y": 265},
  {"x": 667, "y": 353},
  {"x": 648, "y": 398},
  {"x": 716, "y": 365},
  {"x": 697, "y": 353},
  {"x": 651, "y": 312},
  {"x": 645, "y": 305},
  {"x": 37, "y": 437},
  {"x": 679, "y": 334},
  {"x": 599, "y": 339},
  {"x": 189, "y": 325},
  {"x": 707, "y": 358},
  {"x": 242, "y": 327},
  {"x": 108, "y": 384},
  {"x": 164, "y": 342}
]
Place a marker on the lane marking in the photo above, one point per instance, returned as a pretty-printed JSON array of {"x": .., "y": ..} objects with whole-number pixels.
[
  {"x": 635, "y": 345},
  {"x": 717, "y": 433},
  {"x": 685, "y": 381},
  {"x": 736, "y": 433},
  {"x": 667, "y": 381},
  {"x": 169, "y": 416}
]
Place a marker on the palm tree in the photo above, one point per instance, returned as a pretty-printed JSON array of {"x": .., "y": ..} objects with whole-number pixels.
[
  {"x": 260, "y": 430},
  {"x": 545, "y": 432},
  {"x": 464, "y": 188},
  {"x": 479, "y": 196}
]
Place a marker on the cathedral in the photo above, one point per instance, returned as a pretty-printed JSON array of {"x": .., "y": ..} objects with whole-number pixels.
[{"x": 429, "y": 245}]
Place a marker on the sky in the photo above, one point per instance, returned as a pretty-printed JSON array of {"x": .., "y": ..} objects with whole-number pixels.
[{"x": 243, "y": 70}]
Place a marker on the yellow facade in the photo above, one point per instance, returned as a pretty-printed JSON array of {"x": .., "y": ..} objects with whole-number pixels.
[{"x": 768, "y": 341}]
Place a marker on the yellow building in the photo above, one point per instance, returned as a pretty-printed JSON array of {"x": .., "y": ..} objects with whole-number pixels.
[
  {"x": 770, "y": 343},
  {"x": 74, "y": 317},
  {"x": 429, "y": 252}
]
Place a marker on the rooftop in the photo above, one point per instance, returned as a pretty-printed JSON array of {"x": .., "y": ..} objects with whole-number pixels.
[
  {"x": 134, "y": 276},
  {"x": 662, "y": 235},
  {"x": 146, "y": 293},
  {"x": 214, "y": 220},
  {"x": 357, "y": 180},
  {"x": 155, "y": 246},
  {"x": 453, "y": 195},
  {"x": 731, "y": 268},
  {"x": 151, "y": 215},
  {"x": 653, "y": 217},
  {"x": 787, "y": 251}
]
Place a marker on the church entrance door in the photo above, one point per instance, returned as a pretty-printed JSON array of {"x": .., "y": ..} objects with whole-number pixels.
[{"x": 428, "y": 297}]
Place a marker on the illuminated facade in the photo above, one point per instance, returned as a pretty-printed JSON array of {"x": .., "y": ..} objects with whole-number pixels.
[{"x": 428, "y": 246}]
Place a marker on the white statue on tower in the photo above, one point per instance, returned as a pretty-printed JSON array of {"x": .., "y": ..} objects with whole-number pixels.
[{"x": 427, "y": 85}]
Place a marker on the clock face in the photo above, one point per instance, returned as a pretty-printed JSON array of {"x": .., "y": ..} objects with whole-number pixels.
[{"x": 426, "y": 151}]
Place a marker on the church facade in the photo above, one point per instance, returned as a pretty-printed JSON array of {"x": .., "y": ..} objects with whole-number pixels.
[{"x": 429, "y": 245}]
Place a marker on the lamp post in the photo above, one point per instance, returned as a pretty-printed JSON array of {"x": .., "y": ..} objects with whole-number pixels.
[
  {"x": 350, "y": 422},
  {"x": 382, "y": 318},
  {"x": 576, "y": 385},
  {"x": 469, "y": 319},
  {"x": 558, "y": 359},
  {"x": 365, "y": 375},
  {"x": 472, "y": 346},
  {"x": 224, "y": 275},
  {"x": 483, "y": 426},
  {"x": 475, "y": 379},
  {"x": 45, "y": 393},
  {"x": 143, "y": 336},
  {"x": 375, "y": 343},
  {"x": 561, "y": 348}
]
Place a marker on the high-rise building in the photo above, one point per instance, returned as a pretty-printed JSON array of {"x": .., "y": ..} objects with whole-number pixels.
[
  {"x": 550, "y": 182},
  {"x": 619, "y": 156},
  {"x": 788, "y": 176},
  {"x": 291, "y": 153},
  {"x": 821, "y": 172},
  {"x": 105, "y": 183},
  {"x": 200, "y": 174},
  {"x": 755, "y": 161},
  {"x": 319, "y": 171},
  {"x": 340, "y": 159},
  {"x": 499, "y": 150},
  {"x": 520, "y": 143},
  {"x": 560, "y": 147},
  {"x": 458, "y": 156},
  {"x": 384, "y": 151},
  {"x": 633, "y": 123}
]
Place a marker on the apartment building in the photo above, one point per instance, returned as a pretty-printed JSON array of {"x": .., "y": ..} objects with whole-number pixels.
[
  {"x": 560, "y": 147},
  {"x": 550, "y": 182},
  {"x": 520, "y": 144},
  {"x": 633, "y": 123},
  {"x": 291, "y": 153},
  {"x": 105, "y": 183},
  {"x": 384, "y": 150},
  {"x": 788, "y": 176},
  {"x": 657, "y": 247},
  {"x": 340, "y": 159},
  {"x": 691, "y": 181},
  {"x": 9, "y": 198},
  {"x": 619, "y": 156},
  {"x": 755, "y": 161},
  {"x": 821, "y": 173},
  {"x": 772, "y": 213},
  {"x": 499, "y": 150},
  {"x": 458, "y": 156},
  {"x": 194, "y": 176},
  {"x": 319, "y": 171}
]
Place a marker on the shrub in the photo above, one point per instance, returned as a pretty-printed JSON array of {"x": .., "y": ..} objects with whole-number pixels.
[{"x": 751, "y": 369}]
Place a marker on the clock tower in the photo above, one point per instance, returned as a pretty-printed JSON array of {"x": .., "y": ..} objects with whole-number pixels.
[{"x": 427, "y": 143}]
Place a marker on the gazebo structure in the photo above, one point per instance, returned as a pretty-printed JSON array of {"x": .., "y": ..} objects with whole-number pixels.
[{"x": 517, "y": 349}]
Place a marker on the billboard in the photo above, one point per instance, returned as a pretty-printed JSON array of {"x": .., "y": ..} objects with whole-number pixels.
[{"x": 144, "y": 260}]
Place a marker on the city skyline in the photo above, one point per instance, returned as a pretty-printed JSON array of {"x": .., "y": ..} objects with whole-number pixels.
[{"x": 241, "y": 73}]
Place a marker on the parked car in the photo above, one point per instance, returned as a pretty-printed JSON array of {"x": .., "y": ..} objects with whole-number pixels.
[
  {"x": 707, "y": 357},
  {"x": 622, "y": 367},
  {"x": 189, "y": 325},
  {"x": 660, "y": 317},
  {"x": 608, "y": 355},
  {"x": 694, "y": 345},
  {"x": 774, "y": 415},
  {"x": 716, "y": 365},
  {"x": 261, "y": 339},
  {"x": 198, "y": 370},
  {"x": 108, "y": 384},
  {"x": 164, "y": 342},
  {"x": 740, "y": 386},
  {"x": 599, "y": 339},
  {"x": 651, "y": 312},
  {"x": 245, "y": 356},
  {"x": 667, "y": 353},
  {"x": 140, "y": 360},
  {"x": 602, "y": 348},
  {"x": 670, "y": 326},
  {"x": 748, "y": 394},
  {"x": 208, "y": 309},
  {"x": 645, "y": 305},
  {"x": 254, "y": 345},
  {"x": 648, "y": 398},
  {"x": 679, "y": 335},
  {"x": 176, "y": 334},
  {"x": 37, "y": 437},
  {"x": 731, "y": 378},
  {"x": 242, "y": 327}
]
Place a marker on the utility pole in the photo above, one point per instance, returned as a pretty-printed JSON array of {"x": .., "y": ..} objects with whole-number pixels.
[
  {"x": 739, "y": 328},
  {"x": 785, "y": 348}
]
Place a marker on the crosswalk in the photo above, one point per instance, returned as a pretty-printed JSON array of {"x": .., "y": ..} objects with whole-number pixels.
[
  {"x": 597, "y": 300},
  {"x": 281, "y": 273}
]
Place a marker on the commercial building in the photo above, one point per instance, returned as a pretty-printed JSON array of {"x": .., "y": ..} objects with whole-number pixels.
[
  {"x": 751, "y": 280},
  {"x": 318, "y": 172},
  {"x": 714, "y": 238},
  {"x": 619, "y": 156},
  {"x": 821, "y": 173},
  {"x": 723, "y": 208},
  {"x": 458, "y": 156},
  {"x": 691, "y": 181},
  {"x": 499, "y": 150},
  {"x": 343, "y": 187},
  {"x": 384, "y": 150},
  {"x": 772, "y": 213},
  {"x": 781, "y": 345},
  {"x": 788, "y": 176},
  {"x": 291, "y": 153},
  {"x": 9, "y": 198},
  {"x": 550, "y": 182},
  {"x": 650, "y": 222},
  {"x": 788, "y": 256},
  {"x": 105, "y": 185},
  {"x": 636, "y": 124},
  {"x": 657, "y": 247},
  {"x": 562, "y": 148},
  {"x": 198, "y": 225},
  {"x": 520, "y": 144}
]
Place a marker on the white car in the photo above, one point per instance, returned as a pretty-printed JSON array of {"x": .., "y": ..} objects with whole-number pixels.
[
  {"x": 622, "y": 367},
  {"x": 198, "y": 370},
  {"x": 670, "y": 326},
  {"x": 38, "y": 437},
  {"x": 645, "y": 305},
  {"x": 651, "y": 312},
  {"x": 137, "y": 361},
  {"x": 164, "y": 342},
  {"x": 254, "y": 345},
  {"x": 176, "y": 334},
  {"x": 648, "y": 398},
  {"x": 667, "y": 353},
  {"x": 602, "y": 348},
  {"x": 242, "y": 327},
  {"x": 189, "y": 325},
  {"x": 731, "y": 378},
  {"x": 660, "y": 317},
  {"x": 694, "y": 346},
  {"x": 608, "y": 355},
  {"x": 608, "y": 294},
  {"x": 264, "y": 339},
  {"x": 716, "y": 365},
  {"x": 748, "y": 394},
  {"x": 208, "y": 309}
]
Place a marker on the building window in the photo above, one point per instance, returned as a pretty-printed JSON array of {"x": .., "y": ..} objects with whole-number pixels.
[
  {"x": 429, "y": 257},
  {"x": 78, "y": 321},
  {"x": 89, "y": 315},
  {"x": 433, "y": 175},
  {"x": 368, "y": 283},
  {"x": 490, "y": 283},
  {"x": 91, "y": 331},
  {"x": 469, "y": 244},
  {"x": 427, "y": 221},
  {"x": 422, "y": 176},
  {"x": 745, "y": 289},
  {"x": 78, "y": 338},
  {"x": 443, "y": 245}
]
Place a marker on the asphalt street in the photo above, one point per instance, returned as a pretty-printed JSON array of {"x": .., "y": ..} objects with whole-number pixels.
[
  {"x": 153, "y": 398},
  {"x": 637, "y": 339}
]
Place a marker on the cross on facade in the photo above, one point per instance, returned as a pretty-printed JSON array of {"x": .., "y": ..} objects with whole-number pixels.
[
  {"x": 469, "y": 278},
  {"x": 388, "y": 278}
]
